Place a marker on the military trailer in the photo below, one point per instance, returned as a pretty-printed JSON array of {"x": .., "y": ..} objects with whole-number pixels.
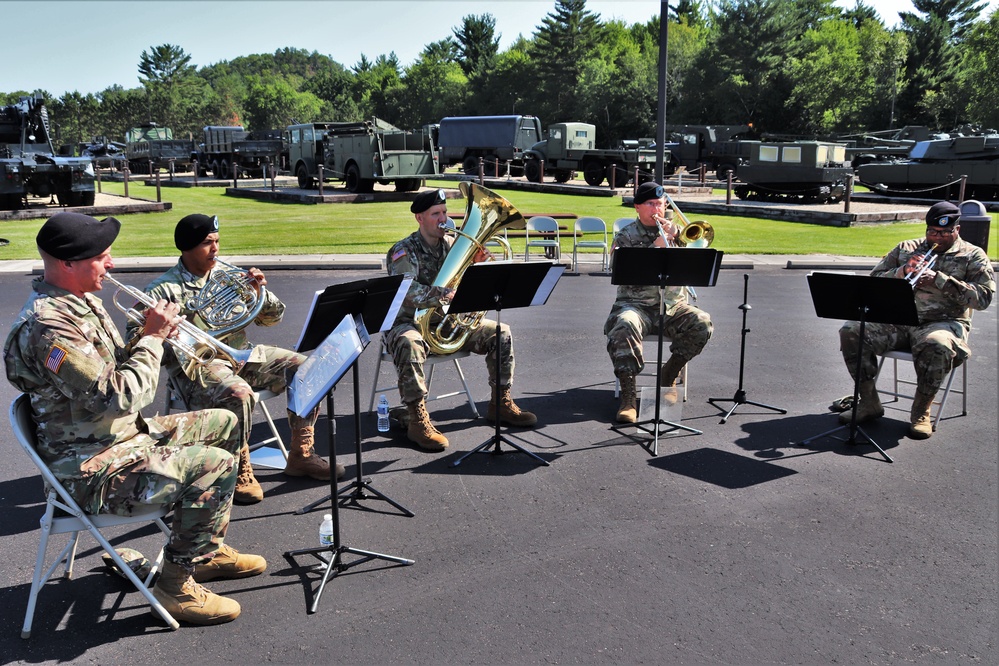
[
  {"x": 149, "y": 144},
  {"x": 500, "y": 141},
  {"x": 361, "y": 154},
  {"x": 224, "y": 148},
  {"x": 795, "y": 171},
  {"x": 571, "y": 147},
  {"x": 29, "y": 164},
  {"x": 934, "y": 169},
  {"x": 721, "y": 147}
]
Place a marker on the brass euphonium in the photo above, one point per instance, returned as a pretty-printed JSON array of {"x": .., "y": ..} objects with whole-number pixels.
[
  {"x": 692, "y": 234},
  {"x": 486, "y": 215}
]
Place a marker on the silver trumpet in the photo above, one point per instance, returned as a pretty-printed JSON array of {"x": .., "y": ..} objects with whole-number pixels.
[
  {"x": 926, "y": 262},
  {"x": 195, "y": 345}
]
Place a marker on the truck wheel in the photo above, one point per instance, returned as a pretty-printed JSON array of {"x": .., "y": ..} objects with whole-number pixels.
[
  {"x": 494, "y": 167},
  {"x": 407, "y": 184},
  {"x": 304, "y": 180},
  {"x": 564, "y": 175},
  {"x": 621, "y": 176},
  {"x": 470, "y": 166},
  {"x": 352, "y": 179},
  {"x": 11, "y": 201},
  {"x": 593, "y": 173},
  {"x": 87, "y": 198},
  {"x": 723, "y": 170},
  {"x": 533, "y": 171},
  {"x": 224, "y": 172}
]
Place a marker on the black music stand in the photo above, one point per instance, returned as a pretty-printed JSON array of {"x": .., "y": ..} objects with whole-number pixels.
[
  {"x": 305, "y": 394},
  {"x": 663, "y": 267},
  {"x": 375, "y": 300},
  {"x": 740, "y": 394},
  {"x": 500, "y": 285},
  {"x": 865, "y": 299}
]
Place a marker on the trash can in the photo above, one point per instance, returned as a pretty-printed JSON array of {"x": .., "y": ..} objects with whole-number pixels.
[{"x": 975, "y": 223}]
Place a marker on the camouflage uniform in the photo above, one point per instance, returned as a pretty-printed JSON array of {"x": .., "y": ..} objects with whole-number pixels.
[
  {"x": 635, "y": 314},
  {"x": 964, "y": 282},
  {"x": 216, "y": 385},
  {"x": 414, "y": 258},
  {"x": 86, "y": 392}
]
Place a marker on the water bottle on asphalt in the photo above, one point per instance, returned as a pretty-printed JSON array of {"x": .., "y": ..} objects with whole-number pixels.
[
  {"x": 326, "y": 530},
  {"x": 383, "y": 414}
]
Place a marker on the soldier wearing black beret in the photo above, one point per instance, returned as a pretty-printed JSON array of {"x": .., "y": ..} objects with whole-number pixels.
[
  {"x": 950, "y": 278},
  {"x": 421, "y": 256}
]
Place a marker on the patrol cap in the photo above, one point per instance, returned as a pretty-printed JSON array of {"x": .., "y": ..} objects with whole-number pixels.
[
  {"x": 428, "y": 199},
  {"x": 75, "y": 236},
  {"x": 193, "y": 229},
  {"x": 942, "y": 215},
  {"x": 648, "y": 191}
]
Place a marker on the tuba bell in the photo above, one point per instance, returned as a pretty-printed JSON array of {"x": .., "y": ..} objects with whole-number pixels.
[{"x": 486, "y": 215}]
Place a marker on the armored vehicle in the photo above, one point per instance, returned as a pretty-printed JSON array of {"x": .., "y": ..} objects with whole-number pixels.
[
  {"x": 151, "y": 146},
  {"x": 500, "y": 141},
  {"x": 29, "y": 164},
  {"x": 103, "y": 152},
  {"x": 224, "y": 148},
  {"x": 361, "y": 154},
  {"x": 934, "y": 169},
  {"x": 571, "y": 147},
  {"x": 720, "y": 147},
  {"x": 795, "y": 171}
]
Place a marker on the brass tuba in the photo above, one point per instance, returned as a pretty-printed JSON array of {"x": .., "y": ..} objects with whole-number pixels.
[
  {"x": 692, "y": 234},
  {"x": 486, "y": 215}
]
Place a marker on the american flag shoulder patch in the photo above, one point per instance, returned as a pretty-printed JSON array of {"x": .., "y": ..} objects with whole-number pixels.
[
  {"x": 399, "y": 254},
  {"x": 56, "y": 356}
]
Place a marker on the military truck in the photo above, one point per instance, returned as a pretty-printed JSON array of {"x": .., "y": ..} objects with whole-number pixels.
[
  {"x": 794, "y": 171},
  {"x": 500, "y": 141},
  {"x": 933, "y": 169},
  {"x": 150, "y": 143},
  {"x": 29, "y": 164},
  {"x": 721, "y": 147},
  {"x": 571, "y": 147},
  {"x": 361, "y": 154},
  {"x": 225, "y": 147}
]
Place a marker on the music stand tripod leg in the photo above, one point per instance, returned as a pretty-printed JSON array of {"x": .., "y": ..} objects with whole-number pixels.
[
  {"x": 497, "y": 436},
  {"x": 740, "y": 395}
]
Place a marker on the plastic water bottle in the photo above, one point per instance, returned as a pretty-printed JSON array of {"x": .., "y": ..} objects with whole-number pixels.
[
  {"x": 383, "y": 414},
  {"x": 326, "y": 531}
]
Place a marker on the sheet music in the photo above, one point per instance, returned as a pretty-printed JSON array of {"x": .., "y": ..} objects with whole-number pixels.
[{"x": 326, "y": 365}]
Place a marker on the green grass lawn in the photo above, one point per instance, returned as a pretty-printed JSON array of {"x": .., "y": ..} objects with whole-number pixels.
[{"x": 254, "y": 227}]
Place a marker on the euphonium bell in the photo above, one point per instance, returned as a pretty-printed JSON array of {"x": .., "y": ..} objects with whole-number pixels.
[
  {"x": 486, "y": 215},
  {"x": 692, "y": 234}
]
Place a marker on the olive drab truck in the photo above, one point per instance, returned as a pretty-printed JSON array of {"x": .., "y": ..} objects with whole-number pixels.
[
  {"x": 571, "y": 147},
  {"x": 361, "y": 154},
  {"x": 149, "y": 144},
  {"x": 721, "y": 148},
  {"x": 499, "y": 141},
  {"x": 223, "y": 149},
  {"x": 29, "y": 164}
]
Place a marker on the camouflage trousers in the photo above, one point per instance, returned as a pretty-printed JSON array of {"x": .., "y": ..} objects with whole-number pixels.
[
  {"x": 936, "y": 348},
  {"x": 221, "y": 388},
  {"x": 689, "y": 329},
  {"x": 191, "y": 469},
  {"x": 409, "y": 353}
]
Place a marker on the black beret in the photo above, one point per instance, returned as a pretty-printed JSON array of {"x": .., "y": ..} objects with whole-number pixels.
[
  {"x": 648, "y": 191},
  {"x": 193, "y": 229},
  {"x": 75, "y": 236},
  {"x": 943, "y": 214},
  {"x": 428, "y": 199}
]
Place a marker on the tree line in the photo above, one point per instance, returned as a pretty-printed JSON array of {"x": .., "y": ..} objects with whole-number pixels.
[{"x": 802, "y": 67}]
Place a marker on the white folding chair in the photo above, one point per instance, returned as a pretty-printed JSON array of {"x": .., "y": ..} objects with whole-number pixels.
[
  {"x": 261, "y": 454},
  {"x": 592, "y": 226},
  {"x": 76, "y": 521},
  {"x": 621, "y": 222},
  {"x": 941, "y": 400},
  {"x": 650, "y": 363},
  {"x": 428, "y": 366},
  {"x": 545, "y": 230}
]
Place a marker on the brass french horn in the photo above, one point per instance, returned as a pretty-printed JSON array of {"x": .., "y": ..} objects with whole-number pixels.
[{"x": 486, "y": 215}]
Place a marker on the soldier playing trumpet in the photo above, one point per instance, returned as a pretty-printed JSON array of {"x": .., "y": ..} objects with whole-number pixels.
[
  {"x": 635, "y": 313},
  {"x": 217, "y": 384},
  {"x": 947, "y": 285}
]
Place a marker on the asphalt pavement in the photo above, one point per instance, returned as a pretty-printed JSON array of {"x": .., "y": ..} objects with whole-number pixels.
[{"x": 733, "y": 546}]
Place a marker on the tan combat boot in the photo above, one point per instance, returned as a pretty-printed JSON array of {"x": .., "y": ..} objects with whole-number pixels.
[
  {"x": 188, "y": 601},
  {"x": 921, "y": 425},
  {"x": 229, "y": 563},
  {"x": 668, "y": 376},
  {"x": 421, "y": 430},
  {"x": 627, "y": 411},
  {"x": 509, "y": 412},
  {"x": 870, "y": 407},
  {"x": 304, "y": 461},
  {"x": 248, "y": 491}
]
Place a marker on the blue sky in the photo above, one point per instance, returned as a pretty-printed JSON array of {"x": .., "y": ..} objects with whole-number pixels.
[{"x": 88, "y": 45}]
